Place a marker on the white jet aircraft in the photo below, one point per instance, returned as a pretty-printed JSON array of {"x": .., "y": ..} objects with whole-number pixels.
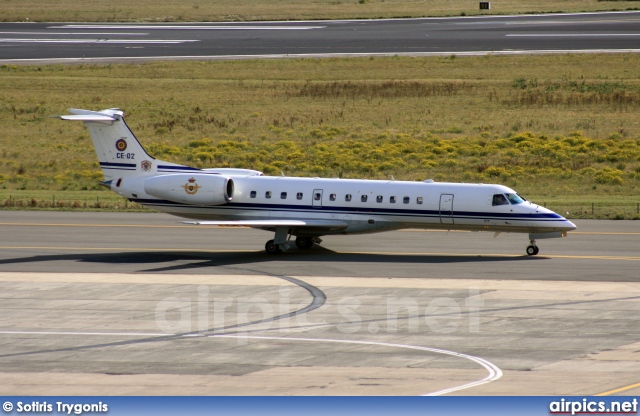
[{"x": 306, "y": 208}]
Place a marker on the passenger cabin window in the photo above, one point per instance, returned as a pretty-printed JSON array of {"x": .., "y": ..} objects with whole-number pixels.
[
  {"x": 253, "y": 194},
  {"x": 267, "y": 194},
  {"x": 347, "y": 197},
  {"x": 283, "y": 195},
  {"x": 363, "y": 198},
  {"x": 392, "y": 199},
  {"x": 299, "y": 195},
  {"x": 406, "y": 200},
  {"x": 499, "y": 199},
  {"x": 317, "y": 196},
  {"x": 332, "y": 197},
  {"x": 419, "y": 200},
  {"x": 379, "y": 198}
]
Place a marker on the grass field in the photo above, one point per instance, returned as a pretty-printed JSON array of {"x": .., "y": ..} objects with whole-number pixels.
[
  {"x": 561, "y": 129},
  {"x": 246, "y": 10},
  {"x": 65, "y": 201}
]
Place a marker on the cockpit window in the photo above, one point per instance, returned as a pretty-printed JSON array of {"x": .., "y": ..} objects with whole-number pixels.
[
  {"x": 515, "y": 199},
  {"x": 500, "y": 199}
]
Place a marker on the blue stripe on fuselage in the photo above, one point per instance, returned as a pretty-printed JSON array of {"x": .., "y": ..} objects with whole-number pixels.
[
  {"x": 357, "y": 211},
  {"x": 179, "y": 168}
]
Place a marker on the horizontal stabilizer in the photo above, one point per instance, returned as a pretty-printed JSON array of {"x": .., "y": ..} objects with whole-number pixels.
[
  {"x": 83, "y": 117},
  {"x": 316, "y": 224},
  {"x": 108, "y": 111},
  {"x": 109, "y": 115}
]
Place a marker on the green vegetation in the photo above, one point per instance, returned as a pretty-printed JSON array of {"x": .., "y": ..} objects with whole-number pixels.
[
  {"x": 564, "y": 130},
  {"x": 249, "y": 10},
  {"x": 66, "y": 201}
]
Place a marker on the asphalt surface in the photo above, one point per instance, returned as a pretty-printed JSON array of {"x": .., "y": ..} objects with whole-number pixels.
[
  {"x": 158, "y": 243},
  {"x": 120, "y": 303},
  {"x": 58, "y": 42}
]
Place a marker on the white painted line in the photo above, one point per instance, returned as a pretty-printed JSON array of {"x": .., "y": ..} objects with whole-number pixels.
[
  {"x": 570, "y": 22},
  {"x": 118, "y": 334},
  {"x": 518, "y": 16},
  {"x": 110, "y": 41},
  {"x": 78, "y": 33},
  {"x": 494, "y": 372},
  {"x": 186, "y": 27},
  {"x": 570, "y": 35}
]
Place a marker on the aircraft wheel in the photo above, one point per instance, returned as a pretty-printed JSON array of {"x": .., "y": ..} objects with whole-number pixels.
[
  {"x": 532, "y": 250},
  {"x": 272, "y": 248},
  {"x": 304, "y": 242}
]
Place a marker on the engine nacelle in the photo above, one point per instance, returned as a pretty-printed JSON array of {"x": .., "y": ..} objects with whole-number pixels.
[{"x": 193, "y": 189}]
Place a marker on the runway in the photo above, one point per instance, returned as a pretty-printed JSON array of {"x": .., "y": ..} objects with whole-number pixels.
[
  {"x": 122, "y": 303},
  {"x": 43, "y": 43}
]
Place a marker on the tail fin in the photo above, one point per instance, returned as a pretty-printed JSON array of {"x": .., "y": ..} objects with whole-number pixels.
[{"x": 119, "y": 152}]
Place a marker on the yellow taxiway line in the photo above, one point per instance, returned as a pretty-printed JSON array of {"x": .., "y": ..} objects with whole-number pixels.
[
  {"x": 190, "y": 250},
  {"x": 29, "y": 224},
  {"x": 618, "y": 390}
]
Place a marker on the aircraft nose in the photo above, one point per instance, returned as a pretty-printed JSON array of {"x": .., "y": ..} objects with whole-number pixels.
[{"x": 569, "y": 226}]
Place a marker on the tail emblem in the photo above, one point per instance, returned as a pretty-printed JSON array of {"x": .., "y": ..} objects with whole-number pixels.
[
  {"x": 191, "y": 187},
  {"x": 145, "y": 166},
  {"x": 121, "y": 145}
]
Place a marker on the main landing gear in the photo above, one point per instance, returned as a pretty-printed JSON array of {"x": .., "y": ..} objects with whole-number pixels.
[
  {"x": 303, "y": 243},
  {"x": 532, "y": 249},
  {"x": 281, "y": 241},
  {"x": 306, "y": 243}
]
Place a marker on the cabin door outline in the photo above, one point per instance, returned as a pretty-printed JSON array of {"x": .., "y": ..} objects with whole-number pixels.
[
  {"x": 446, "y": 208},
  {"x": 316, "y": 198}
]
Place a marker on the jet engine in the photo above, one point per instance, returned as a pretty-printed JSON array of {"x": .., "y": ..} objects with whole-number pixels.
[{"x": 193, "y": 189}]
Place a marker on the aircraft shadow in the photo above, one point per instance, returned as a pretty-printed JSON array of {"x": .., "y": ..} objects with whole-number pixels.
[{"x": 150, "y": 261}]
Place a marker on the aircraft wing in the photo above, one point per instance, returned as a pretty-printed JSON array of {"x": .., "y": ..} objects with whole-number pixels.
[{"x": 329, "y": 225}]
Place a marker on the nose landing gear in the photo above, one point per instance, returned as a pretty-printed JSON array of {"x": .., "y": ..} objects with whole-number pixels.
[{"x": 532, "y": 249}]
